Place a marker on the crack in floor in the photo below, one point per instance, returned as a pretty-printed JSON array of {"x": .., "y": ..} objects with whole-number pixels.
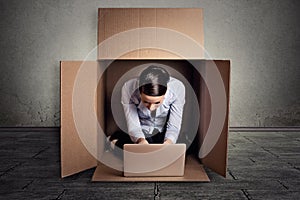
[
  {"x": 273, "y": 154},
  {"x": 11, "y": 169},
  {"x": 26, "y": 186},
  {"x": 286, "y": 187},
  {"x": 231, "y": 174},
  {"x": 41, "y": 151},
  {"x": 247, "y": 195},
  {"x": 61, "y": 194}
]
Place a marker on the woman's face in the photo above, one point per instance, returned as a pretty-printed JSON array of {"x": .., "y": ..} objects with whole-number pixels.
[{"x": 152, "y": 102}]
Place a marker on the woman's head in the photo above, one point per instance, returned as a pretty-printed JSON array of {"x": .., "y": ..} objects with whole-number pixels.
[
  {"x": 153, "y": 81},
  {"x": 153, "y": 86}
]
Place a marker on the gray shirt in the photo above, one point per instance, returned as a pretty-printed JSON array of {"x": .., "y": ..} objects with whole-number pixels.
[{"x": 138, "y": 117}]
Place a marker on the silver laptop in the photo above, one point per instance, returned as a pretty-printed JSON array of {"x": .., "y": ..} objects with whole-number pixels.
[{"x": 154, "y": 159}]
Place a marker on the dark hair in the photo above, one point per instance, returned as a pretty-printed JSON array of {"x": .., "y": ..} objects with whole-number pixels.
[{"x": 153, "y": 81}]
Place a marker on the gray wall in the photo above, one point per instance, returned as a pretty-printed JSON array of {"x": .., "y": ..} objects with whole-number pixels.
[{"x": 261, "y": 38}]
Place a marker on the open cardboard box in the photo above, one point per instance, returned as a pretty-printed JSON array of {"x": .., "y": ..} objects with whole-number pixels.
[{"x": 83, "y": 147}]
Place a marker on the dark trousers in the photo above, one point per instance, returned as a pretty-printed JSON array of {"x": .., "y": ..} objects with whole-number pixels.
[{"x": 123, "y": 138}]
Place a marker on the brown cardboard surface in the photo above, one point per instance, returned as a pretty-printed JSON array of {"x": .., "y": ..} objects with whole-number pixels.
[
  {"x": 74, "y": 156},
  {"x": 194, "y": 172},
  {"x": 112, "y": 21},
  {"x": 217, "y": 158}
]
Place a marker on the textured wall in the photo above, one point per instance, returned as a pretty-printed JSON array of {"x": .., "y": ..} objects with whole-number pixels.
[{"x": 260, "y": 37}]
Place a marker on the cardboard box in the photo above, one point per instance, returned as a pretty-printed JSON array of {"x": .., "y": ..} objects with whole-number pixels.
[{"x": 80, "y": 153}]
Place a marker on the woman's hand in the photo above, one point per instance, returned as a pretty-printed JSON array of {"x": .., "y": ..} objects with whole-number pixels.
[
  {"x": 142, "y": 141},
  {"x": 168, "y": 141}
]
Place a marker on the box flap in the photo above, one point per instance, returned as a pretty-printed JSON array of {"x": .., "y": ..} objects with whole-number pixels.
[
  {"x": 74, "y": 156},
  {"x": 194, "y": 172},
  {"x": 140, "y": 32},
  {"x": 216, "y": 159}
]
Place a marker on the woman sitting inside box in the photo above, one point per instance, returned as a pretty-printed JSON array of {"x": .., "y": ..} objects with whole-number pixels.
[{"x": 153, "y": 106}]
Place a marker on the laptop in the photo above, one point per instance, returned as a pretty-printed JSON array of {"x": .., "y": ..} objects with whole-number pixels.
[{"x": 154, "y": 159}]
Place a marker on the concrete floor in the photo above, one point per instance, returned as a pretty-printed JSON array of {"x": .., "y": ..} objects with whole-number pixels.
[{"x": 261, "y": 165}]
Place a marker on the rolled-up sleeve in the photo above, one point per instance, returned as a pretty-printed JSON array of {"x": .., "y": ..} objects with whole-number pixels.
[
  {"x": 176, "y": 113},
  {"x": 131, "y": 114}
]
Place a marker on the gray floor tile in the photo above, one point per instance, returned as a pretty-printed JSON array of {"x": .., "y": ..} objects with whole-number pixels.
[{"x": 260, "y": 166}]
